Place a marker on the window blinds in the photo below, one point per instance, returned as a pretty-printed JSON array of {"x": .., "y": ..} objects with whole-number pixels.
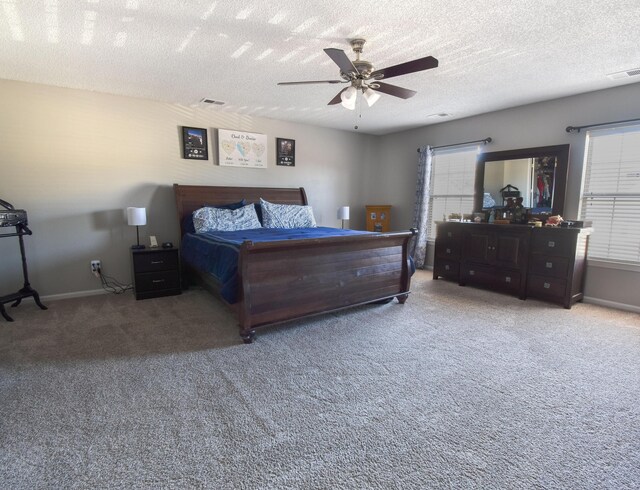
[
  {"x": 611, "y": 194},
  {"x": 452, "y": 185}
]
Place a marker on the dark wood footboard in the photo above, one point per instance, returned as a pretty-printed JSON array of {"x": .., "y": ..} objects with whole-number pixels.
[{"x": 281, "y": 281}]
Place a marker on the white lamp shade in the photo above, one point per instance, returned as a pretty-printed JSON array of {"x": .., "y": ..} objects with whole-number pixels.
[
  {"x": 371, "y": 96},
  {"x": 343, "y": 212},
  {"x": 349, "y": 98},
  {"x": 136, "y": 216}
]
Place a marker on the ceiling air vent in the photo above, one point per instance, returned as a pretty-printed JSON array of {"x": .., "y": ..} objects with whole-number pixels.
[
  {"x": 211, "y": 101},
  {"x": 633, "y": 72}
]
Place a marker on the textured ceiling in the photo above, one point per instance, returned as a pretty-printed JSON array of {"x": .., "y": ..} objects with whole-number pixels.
[{"x": 493, "y": 54}]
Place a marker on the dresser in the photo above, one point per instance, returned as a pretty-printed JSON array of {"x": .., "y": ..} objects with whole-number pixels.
[
  {"x": 156, "y": 272},
  {"x": 546, "y": 263}
]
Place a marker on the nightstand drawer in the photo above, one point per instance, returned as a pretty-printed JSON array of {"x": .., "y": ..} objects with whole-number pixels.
[
  {"x": 155, "y": 261},
  {"x": 549, "y": 266},
  {"x": 155, "y": 281}
]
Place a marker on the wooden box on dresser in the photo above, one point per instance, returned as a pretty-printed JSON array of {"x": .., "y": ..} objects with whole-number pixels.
[
  {"x": 156, "y": 272},
  {"x": 546, "y": 263}
]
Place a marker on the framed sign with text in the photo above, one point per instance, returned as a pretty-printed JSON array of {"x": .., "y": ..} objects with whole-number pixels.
[
  {"x": 194, "y": 143},
  {"x": 242, "y": 149},
  {"x": 285, "y": 152}
]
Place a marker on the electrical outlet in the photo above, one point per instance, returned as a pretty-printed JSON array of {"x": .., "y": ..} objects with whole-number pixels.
[{"x": 96, "y": 266}]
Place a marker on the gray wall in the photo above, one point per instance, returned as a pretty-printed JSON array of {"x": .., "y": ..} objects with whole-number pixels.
[
  {"x": 76, "y": 159},
  {"x": 540, "y": 124}
]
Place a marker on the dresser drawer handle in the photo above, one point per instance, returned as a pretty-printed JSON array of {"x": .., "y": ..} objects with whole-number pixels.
[
  {"x": 507, "y": 279},
  {"x": 157, "y": 261},
  {"x": 446, "y": 267},
  {"x": 448, "y": 250},
  {"x": 549, "y": 265},
  {"x": 449, "y": 234},
  {"x": 551, "y": 244},
  {"x": 472, "y": 273},
  {"x": 155, "y": 281},
  {"x": 547, "y": 285}
]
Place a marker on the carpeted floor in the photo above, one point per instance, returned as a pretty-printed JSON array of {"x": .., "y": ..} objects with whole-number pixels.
[{"x": 458, "y": 388}]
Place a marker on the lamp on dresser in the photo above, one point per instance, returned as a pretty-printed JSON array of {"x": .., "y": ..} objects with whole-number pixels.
[{"x": 137, "y": 217}]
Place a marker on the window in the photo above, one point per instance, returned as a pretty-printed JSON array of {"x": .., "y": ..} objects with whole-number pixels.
[
  {"x": 452, "y": 185},
  {"x": 611, "y": 194}
]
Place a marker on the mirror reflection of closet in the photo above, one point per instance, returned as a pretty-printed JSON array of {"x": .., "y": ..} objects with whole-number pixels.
[
  {"x": 533, "y": 177},
  {"x": 539, "y": 174}
]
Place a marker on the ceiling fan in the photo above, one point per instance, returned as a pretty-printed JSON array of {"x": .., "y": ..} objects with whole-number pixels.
[{"x": 360, "y": 75}]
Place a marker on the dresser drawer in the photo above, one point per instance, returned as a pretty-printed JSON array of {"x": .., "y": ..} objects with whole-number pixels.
[
  {"x": 155, "y": 261},
  {"x": 548, "y": 266},
  {"x": 507, "y": 279},
  {"x": 155, "y": 281},
  {"x": 448, "y": 249},
  {"x": 448, "y": 269},
  {"x": 549, "y": 287},
  {"x": 474, "y": 273},
  {"x": 555, "y": 243}
]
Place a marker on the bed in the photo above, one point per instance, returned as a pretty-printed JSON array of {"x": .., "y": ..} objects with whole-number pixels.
[{"x": 282, "y": 280}]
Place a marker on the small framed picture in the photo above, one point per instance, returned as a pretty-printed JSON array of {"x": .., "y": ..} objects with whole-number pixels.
[
  {"x": 285, "y": 152},
  {"x": 194, "y": 143}
]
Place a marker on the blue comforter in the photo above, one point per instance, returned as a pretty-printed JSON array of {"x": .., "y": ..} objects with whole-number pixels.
[{"x": 217, "y": 252}]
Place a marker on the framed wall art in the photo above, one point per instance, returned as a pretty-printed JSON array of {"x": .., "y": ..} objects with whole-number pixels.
[
  {"x": 285, "y": 152},
  {"x": 242, "y": 149},
  {"x": 194, "y": 143}
]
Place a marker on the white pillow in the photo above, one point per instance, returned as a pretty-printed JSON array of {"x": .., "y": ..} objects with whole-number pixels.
[
  {"x": 216, "y": 219},
  {"x": 286, "y": 215}
]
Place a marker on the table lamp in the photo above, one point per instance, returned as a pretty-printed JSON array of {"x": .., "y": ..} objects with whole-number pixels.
[
  {"x": 343, "y": 214},
  {"x": 137, "y": 217}
]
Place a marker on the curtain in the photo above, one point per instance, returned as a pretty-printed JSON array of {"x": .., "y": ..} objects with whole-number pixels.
[{"x": 421, "y": 211}]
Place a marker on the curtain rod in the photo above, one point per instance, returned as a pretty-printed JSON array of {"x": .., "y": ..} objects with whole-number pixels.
[
  {"x": 571, "y": 129},
  {"x": 484, "y": 142}
]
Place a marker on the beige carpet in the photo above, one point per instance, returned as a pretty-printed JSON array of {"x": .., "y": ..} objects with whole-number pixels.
[{"x": 458, "y": 388}]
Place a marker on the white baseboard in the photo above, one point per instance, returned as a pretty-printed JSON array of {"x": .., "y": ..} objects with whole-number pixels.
[
  {"x": 77, "y": 294},
  {"x": 611, "y": 304}
]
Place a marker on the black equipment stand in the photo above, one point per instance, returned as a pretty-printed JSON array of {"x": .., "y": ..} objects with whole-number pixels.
[{"x": 27, "y": 291}]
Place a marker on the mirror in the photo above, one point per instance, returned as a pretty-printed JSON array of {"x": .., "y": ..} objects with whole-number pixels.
[{"x": 536, "y": 175}]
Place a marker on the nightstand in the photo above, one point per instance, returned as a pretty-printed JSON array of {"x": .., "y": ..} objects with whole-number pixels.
[{"x": 156, "y": 272}]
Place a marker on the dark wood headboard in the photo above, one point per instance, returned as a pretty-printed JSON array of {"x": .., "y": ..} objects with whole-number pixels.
[{"x": 192, "y": 197}]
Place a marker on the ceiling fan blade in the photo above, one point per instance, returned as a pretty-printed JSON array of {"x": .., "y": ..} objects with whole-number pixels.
[
  {"x": 404, "y": 68},
  {"x": 311, "y": 81},
  {"x": 341, "y": 59},
  {"x": 394, "y": 90},
  {"x": 337, "y": 99}
]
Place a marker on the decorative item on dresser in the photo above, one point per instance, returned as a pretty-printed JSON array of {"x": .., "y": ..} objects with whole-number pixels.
[
  {"x": 546, "y": 263},
  {"x": 378, "y": 218},
  {"x": 156, "y": 272}
]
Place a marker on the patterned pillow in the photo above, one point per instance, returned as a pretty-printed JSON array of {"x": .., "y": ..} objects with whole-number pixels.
[
  {"x": 286, "y": 215},
  {"x": 216, "y": 219},
  {"x": 187, "y": 222}
]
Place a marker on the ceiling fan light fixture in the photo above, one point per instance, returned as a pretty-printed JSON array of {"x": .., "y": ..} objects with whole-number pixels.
[
  {"x": 371, "y": 96},
  {"x": 349, "y": 98}
]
